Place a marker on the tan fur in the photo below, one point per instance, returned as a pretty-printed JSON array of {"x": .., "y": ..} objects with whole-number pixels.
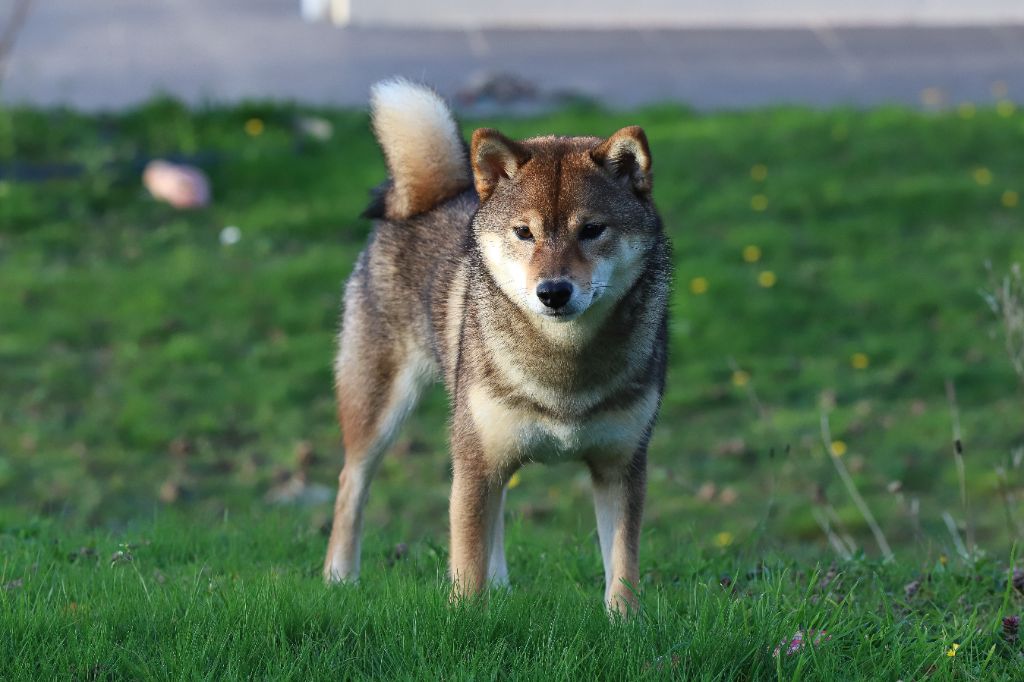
[
  {"x": 454, "y": 291},
  {"x": 421, "y": 142}
]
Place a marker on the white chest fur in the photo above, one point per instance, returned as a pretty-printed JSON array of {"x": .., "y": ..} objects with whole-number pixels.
[{"x": 510, "y": 433}]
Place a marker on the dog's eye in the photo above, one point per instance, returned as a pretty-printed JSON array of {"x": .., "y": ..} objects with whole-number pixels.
[
  {"x": 591, "y": 231},
  {"x": 523, "y": 232}
]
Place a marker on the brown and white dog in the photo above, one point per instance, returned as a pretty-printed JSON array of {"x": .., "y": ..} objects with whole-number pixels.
[{"x": 533, "y": 278}]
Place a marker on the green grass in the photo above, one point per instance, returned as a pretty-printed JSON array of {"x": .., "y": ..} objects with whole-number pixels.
[
  {"x": 241, "y": 600},
  {"x": 147, "y": 371}
]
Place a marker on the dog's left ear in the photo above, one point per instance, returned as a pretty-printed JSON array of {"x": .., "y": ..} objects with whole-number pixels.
[{"x": 627, "y": 158}]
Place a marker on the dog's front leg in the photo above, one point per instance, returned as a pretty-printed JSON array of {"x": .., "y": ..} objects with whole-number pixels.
[
  {"x": 619, "y": 490},
  {"x": 474, "y": 508}
]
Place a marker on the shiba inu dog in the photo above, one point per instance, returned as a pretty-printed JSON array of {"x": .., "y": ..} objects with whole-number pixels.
[{"x": 533, "y": 278}]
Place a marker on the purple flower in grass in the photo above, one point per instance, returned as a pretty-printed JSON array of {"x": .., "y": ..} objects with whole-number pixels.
[
  {"x": 1011, "y": 627},
  {"x": 799, "y": 640}
]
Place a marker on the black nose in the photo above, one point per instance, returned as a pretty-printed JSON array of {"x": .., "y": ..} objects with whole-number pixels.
[{"x": 554, "y": 293}]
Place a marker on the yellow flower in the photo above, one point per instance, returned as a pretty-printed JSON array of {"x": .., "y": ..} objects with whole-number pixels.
[
  {"x": 1010, "y": 198},
  {"x": 952, "y": 650},
  {"x": 752, "y": 253},
  {"x": 966, "y": 110},
  {"x": 514, "y": 481},
  {"x": 254, "y": 127},
  {"x": 999, "y": 89},
  {"x": 860, "y": 360},
  {"x": 1005, "y": 108},
  {"x": 838, "y": 448},
  {"x": 982, "y": 175},
  {"x": 723, "y": 539},
  {"x": 758, "y": 172},
  {"x": 759, "y": 202},
  {"x": 699, "y": 285},
  {"x": 943, "y": 559},
  {"x": 740, "y": 378},
  {"x": 767, "y": 279}
]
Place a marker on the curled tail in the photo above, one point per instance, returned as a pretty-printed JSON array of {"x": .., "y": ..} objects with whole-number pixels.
[{"x": 425, "y": 154}]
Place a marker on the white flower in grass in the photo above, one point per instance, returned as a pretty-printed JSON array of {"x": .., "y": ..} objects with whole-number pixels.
[{"x": 230, "y": 235}]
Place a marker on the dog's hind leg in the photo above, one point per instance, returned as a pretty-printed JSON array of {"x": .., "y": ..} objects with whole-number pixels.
[
  {"x": 377, "y": 387},
  {"x": 497, "y": 568}
]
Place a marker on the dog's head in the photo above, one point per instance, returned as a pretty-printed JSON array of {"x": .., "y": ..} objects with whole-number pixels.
[{"x": 564, "y": 222}]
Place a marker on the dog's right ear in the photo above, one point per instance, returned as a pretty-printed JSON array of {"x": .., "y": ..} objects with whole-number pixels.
[{"x": 494, "y": 158}]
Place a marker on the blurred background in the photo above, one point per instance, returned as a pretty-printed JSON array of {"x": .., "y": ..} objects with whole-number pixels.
[
  {"x": 108, "y": 54},
  {"x": 180, "y": 186}
]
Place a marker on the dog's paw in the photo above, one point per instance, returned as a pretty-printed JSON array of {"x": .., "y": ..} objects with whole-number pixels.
[
  {"x": 622, "y": 602},
  {"x": 334, "y": 575}
]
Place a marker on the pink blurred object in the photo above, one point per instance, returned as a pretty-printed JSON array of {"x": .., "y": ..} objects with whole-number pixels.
[
  {"x": 799, "y": 641},
  {"x": 179, "y": 185}
]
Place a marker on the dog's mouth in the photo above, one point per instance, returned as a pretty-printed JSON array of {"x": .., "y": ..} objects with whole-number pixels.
[{"x": 562, "y": 314}]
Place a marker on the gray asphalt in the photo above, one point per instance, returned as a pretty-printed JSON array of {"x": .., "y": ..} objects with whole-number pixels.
[{"x": 109, "y": 54}]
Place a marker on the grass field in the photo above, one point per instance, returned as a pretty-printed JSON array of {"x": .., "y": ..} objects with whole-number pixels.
[
  {"x": 242, "y": 600},
  {"x": 163, "y": 389}
]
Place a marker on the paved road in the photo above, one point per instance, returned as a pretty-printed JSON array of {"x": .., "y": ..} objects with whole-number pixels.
[{"x": 105, "y": 54}]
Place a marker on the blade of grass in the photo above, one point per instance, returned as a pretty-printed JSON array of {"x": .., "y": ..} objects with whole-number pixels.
[{"x": 851, "y": 489}]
